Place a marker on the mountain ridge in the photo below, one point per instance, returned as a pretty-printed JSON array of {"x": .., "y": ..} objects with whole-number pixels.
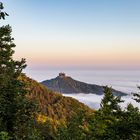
[{"x": 66, "y": 84}]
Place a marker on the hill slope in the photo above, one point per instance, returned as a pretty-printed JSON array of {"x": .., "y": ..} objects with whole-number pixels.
[
  {"x": 53, "y": 105},
  {"x": 65, "y": 84}
]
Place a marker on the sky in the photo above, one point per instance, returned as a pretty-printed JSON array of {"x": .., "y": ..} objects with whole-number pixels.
[{"x": 76, "y": 33}]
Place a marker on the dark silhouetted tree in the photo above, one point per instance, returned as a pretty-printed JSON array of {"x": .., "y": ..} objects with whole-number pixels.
[
  {"x": 2, "y": 13},
  {"x": 16, "y": 111},
  {"x": 137, "y": 96},
  {"x": 103, "y": 122}
]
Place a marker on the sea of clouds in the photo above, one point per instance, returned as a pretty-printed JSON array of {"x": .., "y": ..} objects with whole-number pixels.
[
  {"x": 93, "y": 100},
  {"x": 122, "y": 80}
]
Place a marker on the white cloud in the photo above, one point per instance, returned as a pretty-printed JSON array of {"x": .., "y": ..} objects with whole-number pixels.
[{"x": 93, "y": 100}]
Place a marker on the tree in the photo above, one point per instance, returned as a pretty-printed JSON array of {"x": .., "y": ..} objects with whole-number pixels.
[
  {"x": 102, "y": 124},
  {"x": 128, "y": 126},
  {"x": 137, "y": 96},
  {"x": 76, "y": 128},
  {"x": 110, "y": 122},
  {"x": 2, "y": 14},
  {"x": 110, "y": 103},
  {"x": 16, "y": 111}
]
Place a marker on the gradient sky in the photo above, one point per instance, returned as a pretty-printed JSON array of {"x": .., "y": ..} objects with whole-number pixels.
[{"x": 76, "y": 33}]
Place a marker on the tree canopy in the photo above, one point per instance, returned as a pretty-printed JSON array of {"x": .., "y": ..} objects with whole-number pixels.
[{"x": 15, "y": 109}]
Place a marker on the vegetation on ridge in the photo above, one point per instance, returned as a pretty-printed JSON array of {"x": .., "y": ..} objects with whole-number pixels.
[
  {"x": 16, "y": 111},
  {"x": 52, "y": 104}
]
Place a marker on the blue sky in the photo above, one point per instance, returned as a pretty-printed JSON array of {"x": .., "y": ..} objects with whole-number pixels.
[{"x": 76, "y": 32}]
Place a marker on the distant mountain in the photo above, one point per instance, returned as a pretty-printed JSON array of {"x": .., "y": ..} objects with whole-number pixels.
[{"x": 66, "y": 84}]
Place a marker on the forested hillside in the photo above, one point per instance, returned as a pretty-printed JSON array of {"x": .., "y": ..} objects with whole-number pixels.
[
  {"x": 64, "y": 118},
  {"x": 52, "y": 104}
]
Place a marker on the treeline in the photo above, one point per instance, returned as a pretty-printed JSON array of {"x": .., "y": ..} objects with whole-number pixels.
[
  {"x": 63, "y": 118},
  {"x": 110, "y": 122},
  {"x": 29, "y": 111}
]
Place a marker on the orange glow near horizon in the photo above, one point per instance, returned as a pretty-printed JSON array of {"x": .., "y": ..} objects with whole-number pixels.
[{"x": 81, "y": 53}]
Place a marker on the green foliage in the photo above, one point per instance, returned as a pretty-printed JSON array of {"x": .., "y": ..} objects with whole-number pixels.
[
  {"x": 128, "y": 126},
  {"x": 109, "y": 104},
  {"x": 59, "y": 110},
  {"x": 110, "y": 122},
  {"x": 2, "y": 14},
  {"x": 113, "y": 123},
  {"x": 53, "y": 105},
  {"x": 4, "y": 136},
  {"x": 102, "y": 122},
  {"x": 76, "y": 128},
  {"x": 137, "y": 96},
  {"x": 16, "y": 111}
]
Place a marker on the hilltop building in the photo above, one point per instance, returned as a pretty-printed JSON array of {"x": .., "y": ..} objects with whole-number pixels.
[{"x": 62, "y": 75}]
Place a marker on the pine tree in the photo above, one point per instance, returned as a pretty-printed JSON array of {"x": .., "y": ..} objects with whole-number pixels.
[
  {"x": 110, "y": 103},
  {"x": 16, "y": 110},
  {"x": 137, "y": 96},
  {"x": 2, "y": 14},
  {"x": 104, "y": 120},
  {"x": 128, "y": 126}
]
